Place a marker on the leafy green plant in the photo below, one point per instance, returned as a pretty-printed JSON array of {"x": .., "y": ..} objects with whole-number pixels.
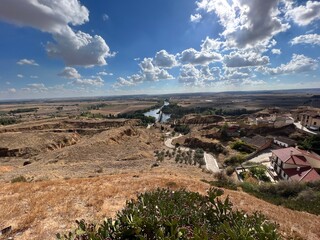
[{"x": 166, "y": 214}]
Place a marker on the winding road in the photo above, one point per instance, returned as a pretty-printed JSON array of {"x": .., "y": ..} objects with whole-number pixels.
[{"x": 211, "y": 162}]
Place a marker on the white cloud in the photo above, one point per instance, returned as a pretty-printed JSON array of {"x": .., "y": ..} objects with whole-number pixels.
[
  {"x": 165, "y": 60},
  {"x": 27, "y": 62},
  {"x": 246, "y": 22},
  {"x": 237, "y": 73},
  {"x": 37, "y": 87},
  {"x": 20, "y": 76},
  {"x": 304, "y": 14},
  {"x": 89, "y": 82},
  {"x": 245, "y": 59},
  {"x": 70, "y": 73},
  {"x": 211, "y": 45},
  {"x": 75, "y": 48},
  {"x": 105, "y": 17},
  {"x": 79, "y": 49},
  {"x": 306, "y": 39},
  {"x": 276, "y": 51},
  {"x": 148, "y": 72},
  {"x": 34, "y": 77},
  {"x": 298, "y": 64},
  {"x": 192, "y": 56},
  {"x": 253, "y": 82},
  {"x": 122, "y": 82},
  {"x": 12, "y": 90},
  {"x": 192, "y": 76},
  {"x": 103, "y": 73},
  {"x": 196, "y": 17}
]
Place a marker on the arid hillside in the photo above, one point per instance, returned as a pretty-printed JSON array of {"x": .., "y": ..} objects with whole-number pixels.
[
  {"x": 50, "y": 177},
  {"x": 38, "y": 210},
  {"x": 39, "y": 155}
]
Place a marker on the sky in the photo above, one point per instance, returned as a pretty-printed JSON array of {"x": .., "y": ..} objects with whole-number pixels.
[{"x": 70, "y": 48}]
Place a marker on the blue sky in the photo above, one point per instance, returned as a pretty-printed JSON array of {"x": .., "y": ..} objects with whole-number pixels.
[{"x": 70, "y": 48}]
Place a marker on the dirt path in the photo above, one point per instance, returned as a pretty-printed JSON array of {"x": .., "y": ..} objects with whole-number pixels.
[{"x": 211, "y": 162}]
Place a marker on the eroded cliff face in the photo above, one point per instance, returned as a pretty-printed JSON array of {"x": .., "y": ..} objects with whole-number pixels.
[
  {"x": 19, "y": 144},
  {"x": 40, "y": 155}
]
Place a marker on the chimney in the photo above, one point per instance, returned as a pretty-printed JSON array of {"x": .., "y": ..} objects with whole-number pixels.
[{"x": 291, "y": 152}]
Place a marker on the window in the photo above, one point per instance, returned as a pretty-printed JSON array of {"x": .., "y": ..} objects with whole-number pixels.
[{"x": 315, "y": 123}]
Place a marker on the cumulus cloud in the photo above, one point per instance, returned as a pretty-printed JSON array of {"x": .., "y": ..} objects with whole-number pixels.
[
  {"x": 27, "y": 62},
  {"x": 122, "y": 82},
  {"x": 304, "y": 14},
  {"x": 55, "y": 17},
  {"x": 237, "y": 73},
  {"x": 190, "y": 75},
  {"x": 246, "y": 22},
  {"x": 148, "y": 72},
  {"x": 70, "y": 73},
  {"x": 79, "y": 49},
  {"x": 276, "y": 51},
  {"x": 97, "y": 81},
  {"x": 20, "y": 76},
  {"x": 211, "y": 45},
  {"x": 245, "y": 59},
  {"x": 313, "y": 39},
  {"x": 194, "y": 57},
  {"x": 195, "y": 18},
  {"x": 164, "y": 60},
  {"x": 299, "y": 63}
]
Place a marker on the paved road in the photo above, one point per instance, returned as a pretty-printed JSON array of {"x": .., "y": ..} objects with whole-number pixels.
[
  {"x": 211, "y": 162},
  {"x": 299, "y": 126},
  {"x": 263, "y": 157}
]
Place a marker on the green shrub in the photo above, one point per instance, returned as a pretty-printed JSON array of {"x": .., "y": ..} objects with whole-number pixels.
[
  {"x": 222, "y": 180},
  {"x": 19, "y": 179},
  {"x": 164, "y": 214},
  {"x": 229, "y": 170},
  {"x": 242, "y": 147},
  {"x": 293, "y": 195},
  {"x": 235, "y": 160}
]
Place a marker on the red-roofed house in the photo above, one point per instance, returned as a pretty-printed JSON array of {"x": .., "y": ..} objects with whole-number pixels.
[{"x": 295, "y": 164}]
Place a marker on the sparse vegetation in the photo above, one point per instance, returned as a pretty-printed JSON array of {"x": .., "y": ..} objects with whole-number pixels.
[
  {"x": 242, "y": 147},
  {"x": 8, "y": 121},
  {"x": 19, "y": 179},
  {"x": 293, "y": 195},
  {"x": 23, "y": 110},
  {"x": 311, "y": 143},
  {"x": 235, "y": 160},
  {"x": 166, "y": 214},
  {"x": 184, "y": 129},
  {"x": 177, "y": 111}
]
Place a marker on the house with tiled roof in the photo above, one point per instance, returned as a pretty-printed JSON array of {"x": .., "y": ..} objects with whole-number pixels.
[
  {"x": 258, "y": 142},
  {"x": 295, "y": 164},
  {"x": 284, "y": 142}
]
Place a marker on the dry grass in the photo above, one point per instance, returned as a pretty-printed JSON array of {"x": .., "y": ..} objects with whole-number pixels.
[{"x": 39, "y": 210}]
